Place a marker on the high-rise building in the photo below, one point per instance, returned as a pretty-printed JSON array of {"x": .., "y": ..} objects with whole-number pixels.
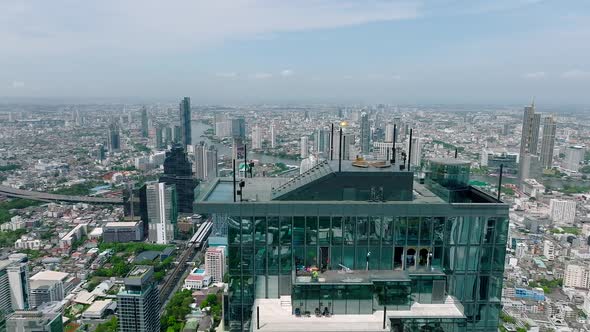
[
  {"x": 562, "y": 211},
  {"x": 144, "y": 123},
  {"x": 159, "y": 137},
  {"x": 577, "y": 276},
  {"x": 389, "y": 133},
  {"x": 416, "y": 156},
  {"x": 222, "y": 125},
  {"x": 205, "y": 161},
  {"x": 530, "y": 136},
  {"x": 177, "y": 134},
  {"x": 347, "y": 141},
  {"x": 18, "y": 277},
  {"x": 273, "y": 135},
  {"x": 168, "y": 139},
  {"x": 256, "y": 138},
  {"x": 138, "y": 303},
  {"x": 322, "y": 142},
  {"x": 238, "y": 128},
  {"x": 215, "y": 263},
  {"x": 353, "y": 242},
  {"x": 548, "y": 142},
  {"x": 573, "y": 157},
  {"x": 114, "y": 137},
  {"x": 530, "y": 167},
  {"x": 185, "y": 122},
  {"x": 162, "y": 212},
  {"x": 46, "y": 318},
  {"x": 365, "y": 134},
  {"x": 100, "y": 153},
  {"x": 304, "y": 147},
  {"x": 5, "y": 303},
  {"x": 47, "y": 286},
  {"x": 178, "y": 172}
]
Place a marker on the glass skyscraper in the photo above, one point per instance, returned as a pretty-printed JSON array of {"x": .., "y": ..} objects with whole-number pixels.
[
  {"x": 368, "y": 241},
  {"x": 178, "y": 171},
  {"x": 185, "y": 122}
]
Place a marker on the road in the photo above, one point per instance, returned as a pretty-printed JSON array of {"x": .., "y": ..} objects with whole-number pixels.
[{"x": 47, "y": 197}]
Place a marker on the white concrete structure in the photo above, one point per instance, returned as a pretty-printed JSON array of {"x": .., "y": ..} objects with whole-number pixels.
[
  {"x": 577, "y": 276},
  {"x": 573, "y": 156},
  {"x": 74, "y": 235},
  {"x": 27, "y": 243},
  {"x": 47, "y": 286},
  {"x": 18, "y": 277},
  {"x": 162, "y": 212},
  {"x": 215, "y": 263},
  {"x": 197, "y": 279},
  {"x": 521, "y": 250},
  {"x": 98, "y": 309},
  {"x": 562, "y": 211},
  {"x": 273, "y": 135}
]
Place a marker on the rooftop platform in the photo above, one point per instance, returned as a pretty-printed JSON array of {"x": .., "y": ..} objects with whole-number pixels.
[{"x": 365, "y": 277}]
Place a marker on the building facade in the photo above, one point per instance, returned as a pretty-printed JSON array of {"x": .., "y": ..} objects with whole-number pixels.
[
  {"x": 215, "y": 263},
  {"x": 138, "y": 303},
  {"x": 365, "y": 134},
  {"x": 577, "y": 276},
  {"x": 178, "y": 171},
  {"x": 562, "y": 211},
  {"x": 162, "y": 212},
  {"x": 185, "y": 122},
  {"x": 364, "y": 239},
  {"x": 548, "y": 142}
]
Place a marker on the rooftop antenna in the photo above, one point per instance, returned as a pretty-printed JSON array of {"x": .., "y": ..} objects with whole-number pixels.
[
  {"x": 332, "y": 143},
  {"x": 245, "y": 160},
  {"x": 410, "y": 151},
  {"x": 456, "y": 152},
  {"x": 533, "y": 102},
  {"x": 500, "y": 181}
]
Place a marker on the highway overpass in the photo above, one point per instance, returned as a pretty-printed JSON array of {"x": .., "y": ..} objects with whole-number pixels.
[{"x": 47, "y": 197}]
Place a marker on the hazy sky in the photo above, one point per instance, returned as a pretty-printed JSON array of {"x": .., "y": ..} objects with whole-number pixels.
[{"x": 226, "y": 51}]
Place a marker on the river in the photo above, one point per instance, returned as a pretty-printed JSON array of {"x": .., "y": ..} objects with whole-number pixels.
[{"x": 198, "y": 129}]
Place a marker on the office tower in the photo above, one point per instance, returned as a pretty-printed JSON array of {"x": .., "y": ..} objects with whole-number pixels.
[
  {"x": 177, "y": 134},
  {"x": 304, "y": 147},
  {"x": 222, "y": 125},
  {"x": 562, "y": 211},
  {"x": 185, "y": 122},
  {"x": 47, "y": 286},
  {"x": 138, "y": 303},
  {"x": 530, "y": 137},
  {"x": 123, "y": 231},
  {"x": 159, "y": 137},
  {"x": 573, "y": 157},
  {"x": 322, "y": 142},
  {"x": 5, "y": 297},
  {"x": 178, "y": 172},
  {"x": 205, "y": 161},
  {"x": 416, "y": 156},
  {"x": 162, "y": 212},
  {"x": 411, "y": 251},
  {"x": 347, "y": 141},
  {"x": 168, "y": 136},
  {"x": 548, "y": 142},
  {"x": 530, "y": 167},
  {"x": 46, "y": 318},
  {"x": 238, "y": 128},
  {"x": 256, "y": 138},
  {"x": 389, "y": 133},
  {"x": 18, "y": 278},
  {"x": 113, "y": 137},
  {"x": 215, "y": 263},
  {"x": 100, "y": 153},
  {"x": 505, "y": 129},
  {"x": 273, "y": 135},
  {"x": 365, "y": 134},
  {"x": 144, "y": 123}
]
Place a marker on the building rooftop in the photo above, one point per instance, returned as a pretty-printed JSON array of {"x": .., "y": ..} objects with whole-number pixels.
[
  {"x": 50, "y": 275},
  {"x": 122, "y": 224}
]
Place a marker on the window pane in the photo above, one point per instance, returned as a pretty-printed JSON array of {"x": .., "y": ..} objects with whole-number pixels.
[
  {"x": 336, "y": 230},
  {"x": 324, "y": 230},
  {"x": 286, "y": 230},
  {"x": 311, "y": 230}
]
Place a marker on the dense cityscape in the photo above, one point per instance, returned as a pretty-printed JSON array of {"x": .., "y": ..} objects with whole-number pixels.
[{"x": 122, "y": 218}]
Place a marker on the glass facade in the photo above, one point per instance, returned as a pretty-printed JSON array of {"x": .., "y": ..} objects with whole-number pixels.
[{"x": 443, "y": 251}]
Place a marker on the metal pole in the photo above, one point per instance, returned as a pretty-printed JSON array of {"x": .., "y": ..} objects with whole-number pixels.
[
  {"x": 500, "y": 181},
  {"x": 257, "y": 317},
  {"x": 245, "y": 160},
  {"x": 340, "y": 152},
  {"x": 384, "y": 316},
  {"x": 456, "y": 152},
  {"x": 234, "y": 171},
  {"x": 332, "y": 143},
  {"x": 393, "y": 147},
  {"x": 410, "y": 151}
]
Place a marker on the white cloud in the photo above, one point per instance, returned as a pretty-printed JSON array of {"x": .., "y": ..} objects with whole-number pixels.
[
  {"x": 287, "y": 72},
  {"x": 535, "y": 75},
  {"x": 64, "y": 26},
  {"x": 261, "y": 76},
  {"x": 227, "y": 75},
  {"x": 396, "y": 77},
  {"x": 575, "y": 74},
  {"x": 18, "y": 84}
]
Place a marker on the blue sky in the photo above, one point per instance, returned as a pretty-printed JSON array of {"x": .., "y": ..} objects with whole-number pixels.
[{"x": 244, "y": 51}]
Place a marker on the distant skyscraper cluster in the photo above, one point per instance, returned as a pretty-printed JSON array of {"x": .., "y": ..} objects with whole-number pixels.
[{"x": 531, "y": 161}]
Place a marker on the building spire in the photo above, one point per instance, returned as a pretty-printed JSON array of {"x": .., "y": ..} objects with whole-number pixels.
[{"x": 533, "y": 102}]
